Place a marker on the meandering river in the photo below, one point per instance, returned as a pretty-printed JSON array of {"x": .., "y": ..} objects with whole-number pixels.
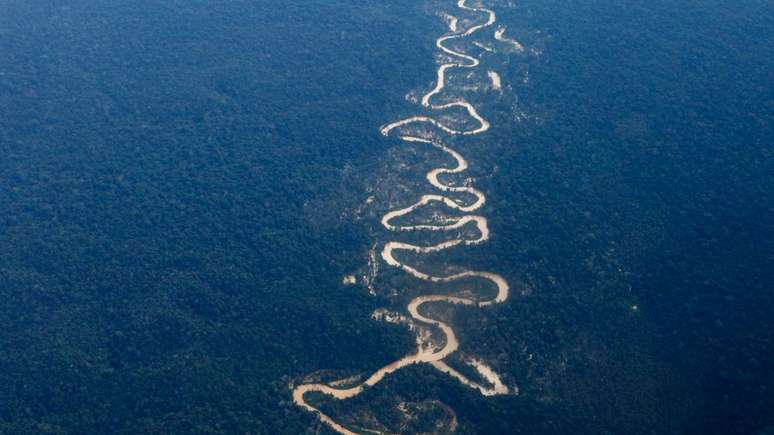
[{"x": 427, "y": 353}]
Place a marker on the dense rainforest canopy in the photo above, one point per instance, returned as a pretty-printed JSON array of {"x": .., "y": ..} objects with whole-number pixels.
[{"x": 182, "y": 187}]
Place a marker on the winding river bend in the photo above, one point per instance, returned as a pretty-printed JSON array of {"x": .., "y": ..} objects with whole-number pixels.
[{"x": 408, "y": 130}]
